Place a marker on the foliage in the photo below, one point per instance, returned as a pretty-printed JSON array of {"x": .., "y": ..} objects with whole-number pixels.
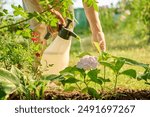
[
  {"x": 18, "y": 52},
  {"x": 108, "y": 18},
  {"x": 145, "y": 76},
  {"x": 16, "y": 36},
  {"x": 15, "y": 50},
  {"x": 14, "y": 81},
  {"x": 140, "y": 10},
  {"x": 72, "y": 77},
  {"x": 131, "y": 16},
  {"x": 91, "y": 3},
  {"x": 83, "y": 79},
  {"x": 138, "y": 20}
]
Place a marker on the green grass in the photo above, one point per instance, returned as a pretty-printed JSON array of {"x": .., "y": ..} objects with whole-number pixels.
[{"x": 118, "y": 44}]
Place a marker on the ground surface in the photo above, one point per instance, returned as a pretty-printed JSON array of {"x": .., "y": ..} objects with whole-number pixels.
[{"x": 121, "y": 94}]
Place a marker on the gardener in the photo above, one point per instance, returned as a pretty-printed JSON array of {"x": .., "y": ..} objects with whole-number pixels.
[{"x": 92, "y": 16}]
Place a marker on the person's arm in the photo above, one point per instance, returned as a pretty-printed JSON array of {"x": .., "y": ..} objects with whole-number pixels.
[
  {"x": 41, "y": 28},
  {"x": 95, "y": 25}
]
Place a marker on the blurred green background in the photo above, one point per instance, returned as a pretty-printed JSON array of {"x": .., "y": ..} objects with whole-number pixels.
[
  {"x": 127, "y": 32},
  {"x": 126, "y": 26}
]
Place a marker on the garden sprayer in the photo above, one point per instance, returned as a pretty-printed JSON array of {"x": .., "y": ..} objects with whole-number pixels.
[{"x": 57, "y": 54}]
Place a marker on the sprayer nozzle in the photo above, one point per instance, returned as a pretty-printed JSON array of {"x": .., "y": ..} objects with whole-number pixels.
[{"x": 65, "y": 33}]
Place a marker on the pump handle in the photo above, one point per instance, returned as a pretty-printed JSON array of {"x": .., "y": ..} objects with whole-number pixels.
[{"x": 69, "y": 21}]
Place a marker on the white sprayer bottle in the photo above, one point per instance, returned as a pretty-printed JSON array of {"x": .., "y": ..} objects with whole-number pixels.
[{"x": 57, "y": 54}]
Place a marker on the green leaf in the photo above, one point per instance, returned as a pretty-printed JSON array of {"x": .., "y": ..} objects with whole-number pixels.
[
  {"x": 104, "y": 80},
  {"x": 119, "y": 64},
  {"x": 52, "y": 77},
  {"x": 6, "y": 75},
  {"x": 96, "y": 7},
  {"x": 133, "y": 62},
  {"x": 144, "y": 76},
  {"x": 111, "y": 66},
  {"x": 7, "y": 87},
  {"x": 2, "y": 14},
  {"x": 19, "y": 32},
  {"x": 81, "y": 71},
  {"x": 71, "y": 80},
  {"x": 5, "y": 11},
  {"x": 2, "y": 94},
  {"x": 18, "y": 10},
  {"x": 147, "y": 83},
  {"x": 93, "y": 93},
  {"x": 67, "y": 70},
  {"x": 71, "y": 88},
  {"x": 85, "y": 90},
  {"x": 72, "y": 70},
  {"x": 104, "y": 56},
  {"x": 130, "y": 73},
  {"x": 26, "y": 33},
  {"x": 96, "y": 44},
  {"x": 92, "y": 3},
  {"x": 93, "y": 75},
  {"x": 16, "y": 72}
]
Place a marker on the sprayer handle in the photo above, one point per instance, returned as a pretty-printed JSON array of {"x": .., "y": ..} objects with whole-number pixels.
[{"x": 69, "y": 21}]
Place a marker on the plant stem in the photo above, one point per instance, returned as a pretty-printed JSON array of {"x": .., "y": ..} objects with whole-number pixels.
[
  {"x": 10, "y": 25},
  {"x": 85, "y": 81},
  {"x": 102, "y": 89},
  {"x": 116, "y": 80},
  {"x": 104, "y": 78},
  {"x": 5, "y": 64}
]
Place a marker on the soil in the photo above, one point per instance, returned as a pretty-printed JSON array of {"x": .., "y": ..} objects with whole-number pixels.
[
  {"x": 127, "y": 94},
  {"x": 121, "y": 94}
]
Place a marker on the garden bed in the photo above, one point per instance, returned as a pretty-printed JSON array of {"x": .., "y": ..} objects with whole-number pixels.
[{"x": 121, "y": 94}]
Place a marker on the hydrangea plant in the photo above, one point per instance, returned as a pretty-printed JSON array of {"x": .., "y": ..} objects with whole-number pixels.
[{"x": 87, "y": 63}]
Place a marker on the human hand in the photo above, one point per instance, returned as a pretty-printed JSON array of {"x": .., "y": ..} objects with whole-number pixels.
[
  {"x": 59, "y": 17},
  {"x": 99, "y": 37},
  {"x": 61, "y": 23}
]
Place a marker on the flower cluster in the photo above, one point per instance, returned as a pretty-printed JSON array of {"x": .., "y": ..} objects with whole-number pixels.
[
  {"x": 127, "y": 12},
  {"x": 87, "y": 63},
  {"x": 37, "y": 55},
  {"x": 36, "y": 40},
  {"x": 35, "y": 37},
  {"x": 124, "y": 16}
]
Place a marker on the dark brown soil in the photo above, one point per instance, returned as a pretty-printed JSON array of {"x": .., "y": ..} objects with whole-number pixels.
[
  {"x": 58, "y": 95},
  {"x": 121, "y": 94},
  {"x": 127, "y": 94}
]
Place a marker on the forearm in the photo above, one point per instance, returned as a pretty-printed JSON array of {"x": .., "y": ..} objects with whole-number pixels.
[
  {"x": 32, "y": 5},
  {"x": 93, "y": 18}
]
